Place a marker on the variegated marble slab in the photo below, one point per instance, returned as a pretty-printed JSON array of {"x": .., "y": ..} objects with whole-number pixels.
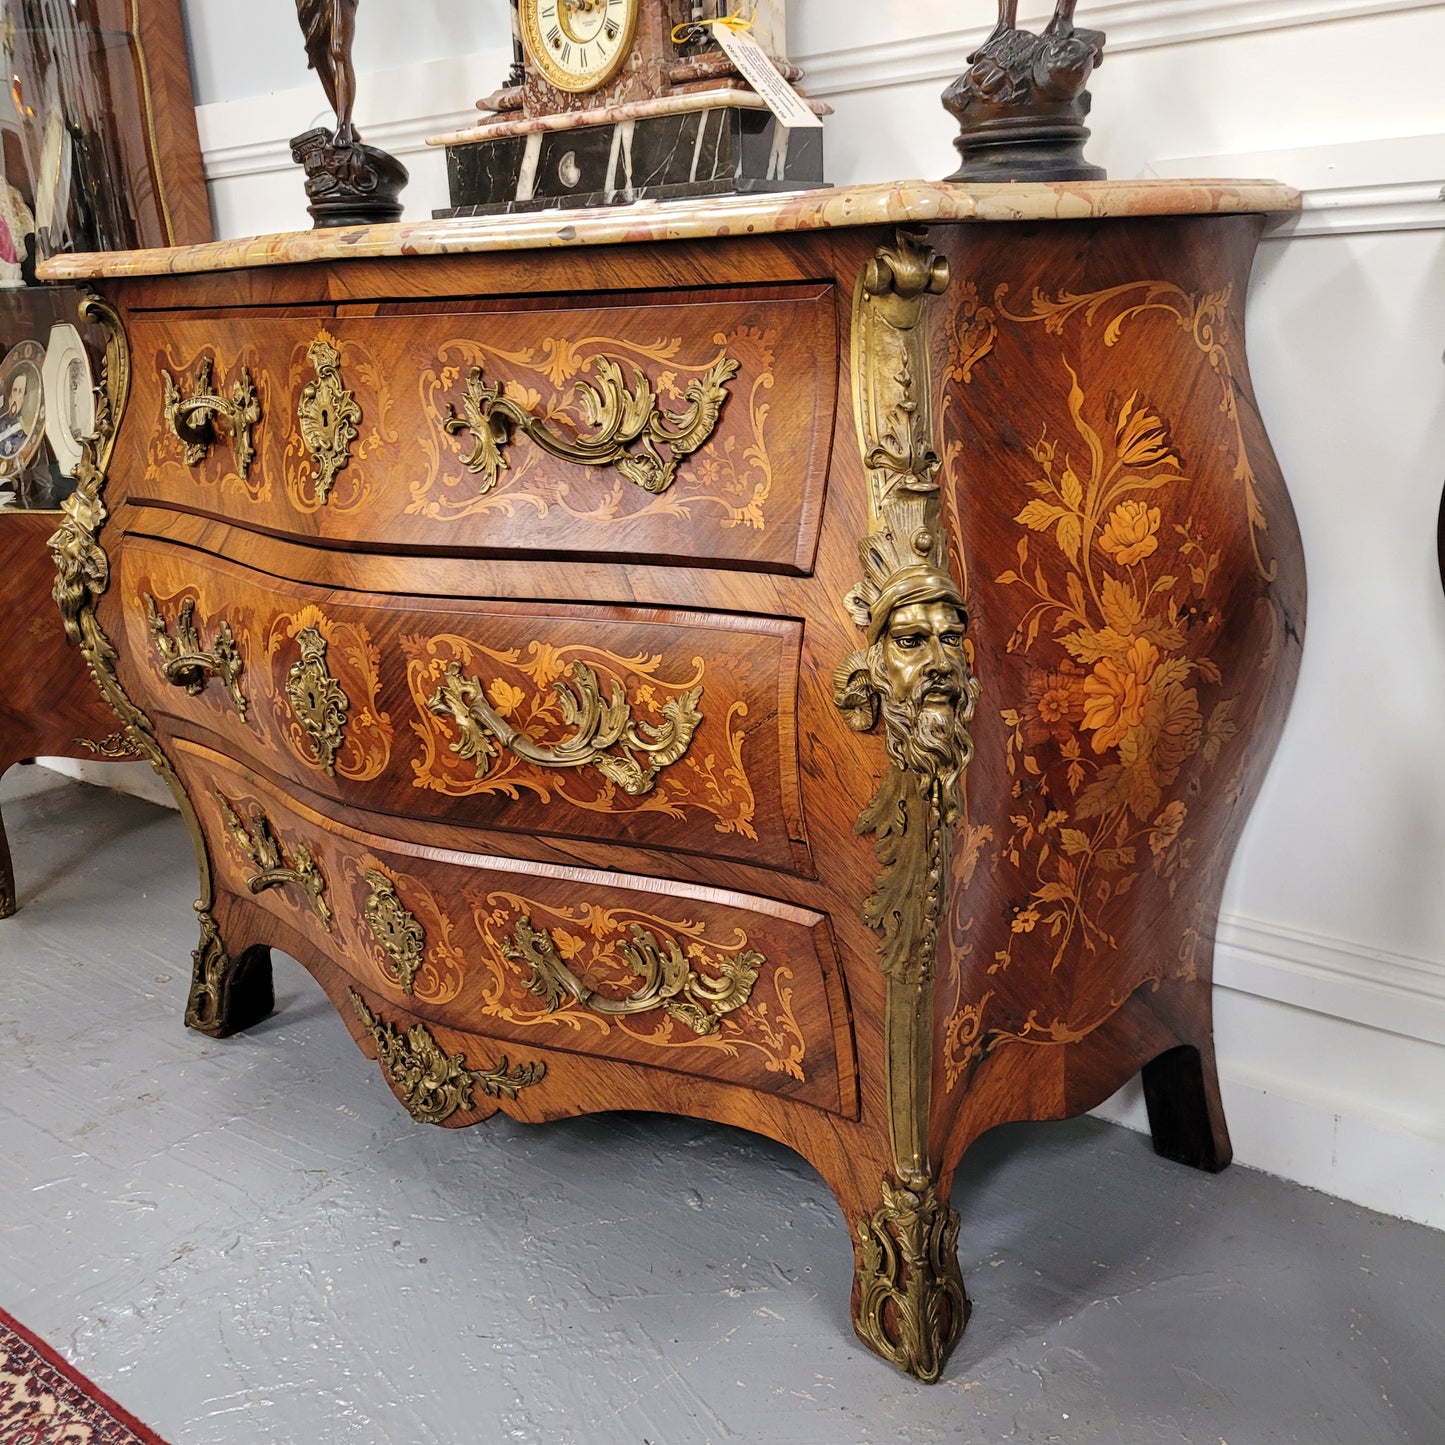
[{"x": 893, "y": 203}]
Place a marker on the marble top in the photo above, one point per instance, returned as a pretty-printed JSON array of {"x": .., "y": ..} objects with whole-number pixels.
[{"x": 894, "y": 203}]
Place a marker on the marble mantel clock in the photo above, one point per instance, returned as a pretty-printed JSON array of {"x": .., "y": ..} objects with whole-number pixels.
[{"x": 613, "y": 101}]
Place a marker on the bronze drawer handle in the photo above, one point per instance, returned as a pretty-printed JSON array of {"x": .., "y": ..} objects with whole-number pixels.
[
  {"x": 192, "y": 419},
  {"x": 622, "y": 416},
  {"x": 668, "y": 983},
  {"x": 601, "y": 725},
  {"x": 434, "y": 1084},
  {"x": 258, "y": 843},
  {"x": 186, "y": 663}
]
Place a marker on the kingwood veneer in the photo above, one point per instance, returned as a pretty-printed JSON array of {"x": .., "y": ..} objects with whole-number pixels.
[{"x": 554, "y": 630}]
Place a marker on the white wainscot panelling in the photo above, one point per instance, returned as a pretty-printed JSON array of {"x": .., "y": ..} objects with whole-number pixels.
[
  {"x": 1166, "y": 90},
  {"x": 138, "y": 779},
  {"x": 255, "y": 186},
  {"x": 1391, "y": 184},
  {"x": 242, "y": 50},
  {"x": 851, "y": 45}
]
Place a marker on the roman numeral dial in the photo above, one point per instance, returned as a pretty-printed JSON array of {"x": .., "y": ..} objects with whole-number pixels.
[{"x": 577, "y": 45}]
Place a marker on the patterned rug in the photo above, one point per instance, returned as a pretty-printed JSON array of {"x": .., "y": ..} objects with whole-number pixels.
[{"x": 43, "y": 1401}]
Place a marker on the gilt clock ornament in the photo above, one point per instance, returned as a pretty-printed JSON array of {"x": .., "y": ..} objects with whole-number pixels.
[
  {"x": 347, "y": 183},
  {"x": 578, "y": 45},
  {"x": 612, "y": 101}
]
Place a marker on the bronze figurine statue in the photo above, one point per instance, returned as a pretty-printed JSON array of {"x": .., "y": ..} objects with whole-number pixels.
[
  {"x": 347, "y": 183},
  {"x": 330, "y": 28},
  {"x": 1021, "y": 103}
]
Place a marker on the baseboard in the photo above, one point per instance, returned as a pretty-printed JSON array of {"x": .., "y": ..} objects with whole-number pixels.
[
  {"x": 140, "y": 780},
  {"x": 1360, "y": 1154}
]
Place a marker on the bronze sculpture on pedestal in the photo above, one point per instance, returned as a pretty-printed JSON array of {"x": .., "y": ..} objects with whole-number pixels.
[
  {"x": 1021, "y": 103},
  {"x": 347, "y": 183}
]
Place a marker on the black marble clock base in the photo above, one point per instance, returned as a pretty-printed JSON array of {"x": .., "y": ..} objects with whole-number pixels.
[{"x": 725, "y": 150}]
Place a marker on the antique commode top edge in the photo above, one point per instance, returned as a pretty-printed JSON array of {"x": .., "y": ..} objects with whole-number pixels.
[{"x": 894, "y": 203}]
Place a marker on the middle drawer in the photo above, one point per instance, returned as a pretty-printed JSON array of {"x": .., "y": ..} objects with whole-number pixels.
[{"x": 658, "y": 728}]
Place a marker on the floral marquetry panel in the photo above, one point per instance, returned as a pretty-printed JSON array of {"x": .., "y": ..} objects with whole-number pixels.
[
  {"x": 1131, "y": 609},
  {"x": 499, "y": 718},
  {"x": 747, "y": 477}
]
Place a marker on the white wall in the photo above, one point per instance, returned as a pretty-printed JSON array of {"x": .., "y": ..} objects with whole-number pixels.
[{"x": 1331, "y": 964}]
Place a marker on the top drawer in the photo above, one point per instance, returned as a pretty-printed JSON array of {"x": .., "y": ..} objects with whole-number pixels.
[{"x": 680, "y": 428}]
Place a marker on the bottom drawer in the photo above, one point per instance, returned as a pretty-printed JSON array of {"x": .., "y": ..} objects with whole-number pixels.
[{"x": 725, "y": 986}]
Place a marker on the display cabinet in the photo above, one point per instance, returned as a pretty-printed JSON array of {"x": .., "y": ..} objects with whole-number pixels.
[{"x": 98, "y": 149}]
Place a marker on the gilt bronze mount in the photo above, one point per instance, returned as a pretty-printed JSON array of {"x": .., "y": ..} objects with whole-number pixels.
[
  {"x": 431, "y": 1083},
  {"x": 258, "y": 844},
  {"x": 607, "y": 736},
  {"x": 395, "y": 928},
  {"x": 317, "y": 700},
  {"x": 187, "y": 664},
  {"x": 192, "y": 419},
  {"x": 326, "y": 417},
  {"x": 623, "y": 417},
  {"x": 667, "y": 982}
]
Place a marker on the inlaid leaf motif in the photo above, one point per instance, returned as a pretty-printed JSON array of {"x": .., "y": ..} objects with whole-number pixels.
[{"x": 1114, "y": 695}]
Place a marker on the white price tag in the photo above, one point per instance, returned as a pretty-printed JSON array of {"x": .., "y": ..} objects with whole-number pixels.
[{"x": 757, "y": 68}]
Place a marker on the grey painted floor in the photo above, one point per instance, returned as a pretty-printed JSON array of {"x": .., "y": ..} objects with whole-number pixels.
[{"x": 250, "y": 1241}]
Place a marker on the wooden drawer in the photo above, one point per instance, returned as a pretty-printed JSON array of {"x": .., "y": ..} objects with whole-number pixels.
[
  {"x": 641, "y": 726},
  {"x": 716, "y": 473},
  {"x": 726, "y": 986}
]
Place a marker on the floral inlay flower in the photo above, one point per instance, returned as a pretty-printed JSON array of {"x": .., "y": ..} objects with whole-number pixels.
[
  {"x": 1053, "y": 702},
  {"x": 1131, "y": 534},
  {"x": 1166, "y": 827},
  {"x": 505, "y": 698},
  {"x": 1054, "y": 705},
  {"x": 1142, "y": 439},
  {"x": 1024, "y": 922},
  {"x": 1115, "y": 693}
]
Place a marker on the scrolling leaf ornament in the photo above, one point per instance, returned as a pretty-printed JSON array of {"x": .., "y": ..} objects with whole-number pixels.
[
  {"x": 192, "y": 419},
  {"x": 914, "y": 675},
  {"x": 327, "y": 414},
  {"x": 601, "y": 727},
  {"x": 433, "y": 1084},
  {"x": 225, "y": 995},
  {"x": 622, "y": 417},
  {"x": 667, "y": 981},
  {"x": 186, "y": 663},
  {"x": 911, "y": 1238},
  {"x": 258, "y": 843}
]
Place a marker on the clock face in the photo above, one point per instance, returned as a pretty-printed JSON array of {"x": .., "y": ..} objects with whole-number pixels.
[{"x": 578, "y": 45}]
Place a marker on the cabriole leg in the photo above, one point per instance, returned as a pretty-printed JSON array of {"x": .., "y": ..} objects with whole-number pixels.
[
  {"x": 227, "y": 995},
  {"x": 1186, "y": 1117},
  {"x": 909, "y": 1303},
  {"x": 7, "y": 876}
]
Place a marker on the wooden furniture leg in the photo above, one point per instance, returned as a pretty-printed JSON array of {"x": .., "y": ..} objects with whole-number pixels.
[{"x": 1186, "y": 1118}]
